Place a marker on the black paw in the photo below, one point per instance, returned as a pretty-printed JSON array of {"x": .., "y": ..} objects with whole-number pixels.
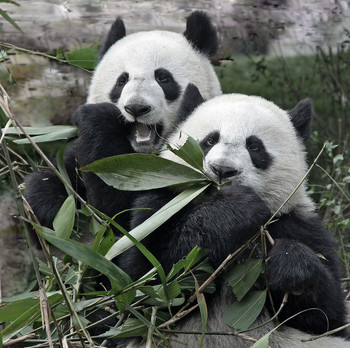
[
  {"x": 293, "y": 267},
  {"x": 97, "y": 116}
]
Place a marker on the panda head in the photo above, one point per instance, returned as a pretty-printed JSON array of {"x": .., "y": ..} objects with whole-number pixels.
[
  {"x": 145, "y": 74},
  {"x": 252, "y": 142}
]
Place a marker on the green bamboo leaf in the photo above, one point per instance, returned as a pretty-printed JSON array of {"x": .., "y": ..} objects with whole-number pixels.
[
  {"x": 151, "y": 258},
  {"x": 172, "y": 290},
  {"x": 107, "y": 241},
  {"x": 263, "y": 342},
  {"x": 10, "y": 2},
  {"x": 11, "y": 311},
  {"x": 10, "y": 20},
  {"x": 118, "y": 278},
  {"x": 56, "y": 135},
  {"x": 27, "y": 318},
  {"x": 136, "y": 172},
  {"x": 242, "y": 276},
  {"x": 240, "y": 315},
  {"x": 147, "y": 323},
  {"x": 126, "y": 297},
  {"x": 37, "y": 130},
  {"x": 190, "y": 152},
  {"x": 203, "y": 310},
  {"x": 195, "y": 255},
  {"x": 62, "y": 167},
  {"x": 64, "y": 220},
  {"x": 83, "y": 57},
  {"x": 157, "y": 219},
  {"x": 131, "y": 328}
]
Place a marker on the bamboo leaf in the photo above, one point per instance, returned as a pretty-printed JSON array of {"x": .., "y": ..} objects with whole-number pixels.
[
  {"x": 263, "y": 342},
  {"x": 37, "y": 130},
  {"x": 157, "y": 219},
  {"x": 131, "y": 328},
  {"x": 56, "y": 135},
  {"x": 203, "y": 310},
  {"x": 240, "y": 315},
  {"x": 118, "y": 278},
  {"x": 83, "y": 57},
  {"x": 62, "y": 167},
  {"x": 242, "y": 276},
  {"x": 64, "y": 220},
  {"x": 26, "y": 318},
  {"x": 11, "y": 311},
  {"x": 10, "y": 20},
  {"x": 190, "y": 152},
  {"x": 136, "y": 172},
  {"x": 147, "y": 323},
  {"x": 151, "y": 258}
]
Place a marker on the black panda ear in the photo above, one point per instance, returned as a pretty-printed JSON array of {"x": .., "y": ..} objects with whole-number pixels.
[
  {"x": 191, "y": 99},
  {"x": 116, "y": 33},
  {"x": 201, "y": 33},
  {"x": 301, "y": 116}
]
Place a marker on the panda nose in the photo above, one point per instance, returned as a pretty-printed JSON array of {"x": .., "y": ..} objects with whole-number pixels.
[
  {"x": 223, "y": 172},
  {"x": 137, "y": 110}
]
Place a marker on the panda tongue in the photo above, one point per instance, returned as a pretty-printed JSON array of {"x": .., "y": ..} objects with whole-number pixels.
[{"x": 143, "y": 132}]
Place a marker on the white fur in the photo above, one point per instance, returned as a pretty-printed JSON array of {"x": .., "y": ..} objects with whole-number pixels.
[
  {"x": 236, "y": 117},
  {"x": 140, "y": 54}
]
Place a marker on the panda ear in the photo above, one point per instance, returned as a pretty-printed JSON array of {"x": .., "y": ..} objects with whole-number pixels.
[
  {"x": 201, "y": 33},
  {"x": 116, "y": 33},
  {"x": 301, "y": 116},
  {"x": 191, "y": 99}
]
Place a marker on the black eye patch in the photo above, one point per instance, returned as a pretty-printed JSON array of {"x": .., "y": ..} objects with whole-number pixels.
[
  {"x": 122, "y": 80},
  {"x": 169, "y": 86},
  {"x": 260, "y": 157},
  {"x": 209, "y": 141}
]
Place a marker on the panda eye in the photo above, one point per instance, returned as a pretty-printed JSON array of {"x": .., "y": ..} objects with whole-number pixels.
[
  {"x": 210, "y": 142},
  {"x": 253, "y": 147},
  {"x": 123, "y": 79},
  {"x": 161, "y": 76}
]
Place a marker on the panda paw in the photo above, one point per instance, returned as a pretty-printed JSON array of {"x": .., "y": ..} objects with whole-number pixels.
[
  {"x": 94, "y": 117},
  {"x": 293, "y": 267}
]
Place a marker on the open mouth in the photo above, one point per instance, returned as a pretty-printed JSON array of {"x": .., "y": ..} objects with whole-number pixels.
[{"x": 145, "y": 136}]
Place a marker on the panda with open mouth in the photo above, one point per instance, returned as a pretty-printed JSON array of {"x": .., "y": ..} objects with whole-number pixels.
[{"x": 132, "y": 106}]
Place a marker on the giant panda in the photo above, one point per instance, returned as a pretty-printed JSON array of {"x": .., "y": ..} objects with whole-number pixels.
[
  {"x": 260, "y": 148},
  {"x": 132, "y": 105}
]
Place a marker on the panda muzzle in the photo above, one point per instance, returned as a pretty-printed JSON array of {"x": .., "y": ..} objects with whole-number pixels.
[{"x": 144, "y": 133}]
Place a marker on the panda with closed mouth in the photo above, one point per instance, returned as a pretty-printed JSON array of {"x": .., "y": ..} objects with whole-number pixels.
[
  {"x": 132, "y": 106},
  {"x": 260, "y": 148}
]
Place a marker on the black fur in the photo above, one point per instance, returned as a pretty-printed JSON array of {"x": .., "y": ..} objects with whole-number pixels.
[
  {"x": 116, "y": 33},
  {"x": 261, "y": 159},
  {"x": 201, "y": 33},
  {"x": 46, "y": 193},
  {"x": 191, "y": 99},
  {"x": 209, "y": 141},
  {"x": 296, "y": 265},
  {"x": 219, "y": 221},
  {"x": 115, "y": 93},
  {"x": 103, "y": 133},
  {"x": 169, "y": 86},
  {"x": 301, "y": 116},
  {"x": 222, "y": 221}
]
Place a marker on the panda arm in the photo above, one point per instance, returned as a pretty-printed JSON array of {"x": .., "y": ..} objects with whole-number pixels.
[
  {"x": 218, "y": 221},
  {"x": 46, "y": 193},
  {"x": 294, "y": 266},
  {"x": 103, "y": 133}
]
